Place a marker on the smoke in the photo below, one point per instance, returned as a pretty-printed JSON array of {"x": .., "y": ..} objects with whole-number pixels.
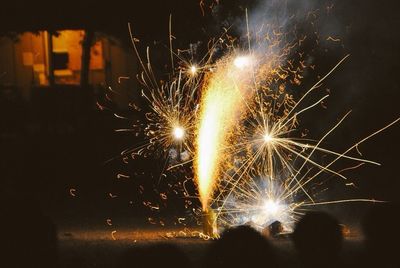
[{"x": 254, "y": 22}]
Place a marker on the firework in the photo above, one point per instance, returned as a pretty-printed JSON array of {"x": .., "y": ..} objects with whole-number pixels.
[
  {"x": 237, "y": 121},
  {"x": 253, "y": 163}
]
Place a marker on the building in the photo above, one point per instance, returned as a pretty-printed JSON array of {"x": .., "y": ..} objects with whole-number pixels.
[{"x": 35, "y": 61}]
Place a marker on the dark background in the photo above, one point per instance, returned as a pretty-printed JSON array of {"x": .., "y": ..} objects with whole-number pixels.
[{"x": 44, "y": 155}]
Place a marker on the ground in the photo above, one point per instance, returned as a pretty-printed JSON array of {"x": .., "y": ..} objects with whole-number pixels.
[{"x": 101, "y": 247}]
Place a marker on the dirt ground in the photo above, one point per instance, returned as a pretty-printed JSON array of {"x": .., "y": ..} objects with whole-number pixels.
[{"x": 102, "y": 247}]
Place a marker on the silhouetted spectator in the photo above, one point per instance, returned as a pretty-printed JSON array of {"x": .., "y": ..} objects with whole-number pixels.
[
  {"x": 28, "y": 238},
  {"x": 240, "y": 247},
  {"x": 275, "y": 228},
  {"x": 382, "y": 236},
  {"x": 318, "y": 240},
  {"x": 160, "y": 255}
]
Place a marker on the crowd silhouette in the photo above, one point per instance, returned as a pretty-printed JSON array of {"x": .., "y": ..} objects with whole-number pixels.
[
  {"x": 318, "y": 240},
  {"x": 29, "y": 239}
]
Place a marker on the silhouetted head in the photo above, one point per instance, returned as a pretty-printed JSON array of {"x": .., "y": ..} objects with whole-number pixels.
[
  {"x": 160, "y": 255},
  {"x": 240, "y": 247},
  {"x": 275, "y": 228},
  {"x": 381, "y": 230},
  {"x": 318, "y": 239}
]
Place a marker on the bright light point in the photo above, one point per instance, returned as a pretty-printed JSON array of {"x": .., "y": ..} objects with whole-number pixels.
[
  {"x": 267, "y": 138},
  {"x": 193, "y": 70},
  {"x": 271, "y": 207},
  {"x": 242, "y": 62},
  {"x": 178, "y": 133}
]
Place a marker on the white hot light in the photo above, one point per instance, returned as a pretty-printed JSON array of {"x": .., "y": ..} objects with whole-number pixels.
[
  {"x": 267, "y": 138},
  {"x": 242, "y": 62},
  {"x": 193, "y": 70},
  {"x": 271, "y": 207},
  {"x": 178, "y": 133}
]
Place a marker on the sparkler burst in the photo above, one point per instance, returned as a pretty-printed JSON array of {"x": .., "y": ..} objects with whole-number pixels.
[
  {"x": 168, "y": 130},
  {"x": 235, "y": 122}
]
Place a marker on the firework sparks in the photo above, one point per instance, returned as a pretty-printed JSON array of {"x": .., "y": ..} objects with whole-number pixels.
[{"x": 237, "y": 120}]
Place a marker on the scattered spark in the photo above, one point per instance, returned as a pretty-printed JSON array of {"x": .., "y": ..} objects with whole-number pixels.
[
  {"x": 101, "y": 107},
  {"x": 112, "y": 195},
  {"x": 72, "y": 192},
  {"x": 122, "y": 176},
  {"x": 123, "y": 78},
  {"x": 113, "y": 235},
  {"x": 330, "y": 38}
]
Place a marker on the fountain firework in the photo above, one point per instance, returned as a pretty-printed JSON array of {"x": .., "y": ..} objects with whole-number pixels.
[{"x": 235, "y": 122}]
